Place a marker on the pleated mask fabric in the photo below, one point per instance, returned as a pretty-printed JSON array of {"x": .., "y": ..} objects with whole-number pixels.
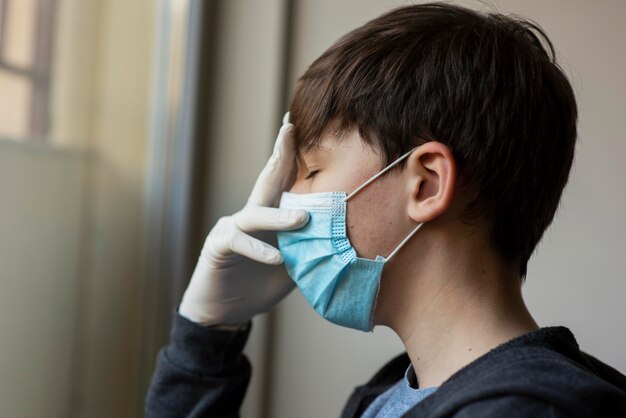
[{"x": 340, "y": 286}]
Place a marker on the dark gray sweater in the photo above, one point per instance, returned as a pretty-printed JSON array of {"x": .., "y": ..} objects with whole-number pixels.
[{"x": 203, "y": 373}]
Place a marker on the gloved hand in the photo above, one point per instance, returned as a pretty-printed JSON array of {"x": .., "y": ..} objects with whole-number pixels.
[{"x": 239, "y": 275}]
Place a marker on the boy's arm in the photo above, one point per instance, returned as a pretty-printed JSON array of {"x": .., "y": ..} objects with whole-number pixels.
[{"x": 201, "y": 372}]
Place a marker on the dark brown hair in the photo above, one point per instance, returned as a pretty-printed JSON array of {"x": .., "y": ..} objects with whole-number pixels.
[{"x": 481, "y": 83}]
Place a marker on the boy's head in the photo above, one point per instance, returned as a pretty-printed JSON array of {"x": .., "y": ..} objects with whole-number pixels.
[{"x": 499, "y": 109}]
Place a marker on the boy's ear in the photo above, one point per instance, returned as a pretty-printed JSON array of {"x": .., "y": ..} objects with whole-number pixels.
[{"x": 432, "y": 174}]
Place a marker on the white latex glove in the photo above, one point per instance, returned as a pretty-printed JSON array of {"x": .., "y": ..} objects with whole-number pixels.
[{"x": 237, "y": 275}]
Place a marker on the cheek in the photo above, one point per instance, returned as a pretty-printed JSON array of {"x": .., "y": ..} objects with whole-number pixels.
[{"x": 376, "y": 220}]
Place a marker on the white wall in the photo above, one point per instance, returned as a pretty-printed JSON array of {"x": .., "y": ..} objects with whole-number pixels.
[
  {"x": 577, "y": 276},
  {"x": 110, "y": 333},
  {"x": 70, "y": 223},
  {"x": 41, "y": 193}
]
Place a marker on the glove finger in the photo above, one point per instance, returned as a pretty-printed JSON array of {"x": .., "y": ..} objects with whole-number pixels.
[
  {"x": 286, "y": 118},
  {"x": 259, "y": 218},
  {"x": 279, "y": 166},
  {"x": 255, "y": 249}
]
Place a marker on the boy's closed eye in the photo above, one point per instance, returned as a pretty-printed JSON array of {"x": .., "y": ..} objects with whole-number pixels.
[
  {"x": 311, "y": 174},
  {"x": 310, "y": 162}
]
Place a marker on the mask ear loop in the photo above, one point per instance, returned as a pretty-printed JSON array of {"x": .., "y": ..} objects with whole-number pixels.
[
  {"x": 380, "y": 173},
  {"x": 404, "y": 241}
]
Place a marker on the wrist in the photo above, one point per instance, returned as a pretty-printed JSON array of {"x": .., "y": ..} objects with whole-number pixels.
[{"x": 209, "y": 321}]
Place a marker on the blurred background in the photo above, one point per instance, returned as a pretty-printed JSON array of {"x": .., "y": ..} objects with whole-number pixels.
[{"x": 128, "y": 127}]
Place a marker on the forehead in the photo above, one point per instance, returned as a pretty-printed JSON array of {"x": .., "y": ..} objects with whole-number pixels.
[
  {"x": 315, "y": 149},
  {"x": 327, "y": 142},
  {"x": 347, "y": 148}
]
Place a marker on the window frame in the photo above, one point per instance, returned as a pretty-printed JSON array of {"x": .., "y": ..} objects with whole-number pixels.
[{"x": 39, "y": 73}]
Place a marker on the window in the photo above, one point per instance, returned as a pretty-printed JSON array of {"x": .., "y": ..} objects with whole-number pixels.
[{"x": 25, "y": 54}]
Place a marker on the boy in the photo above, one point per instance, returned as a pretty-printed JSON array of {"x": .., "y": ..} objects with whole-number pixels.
[{"x": 425, "y": 155}]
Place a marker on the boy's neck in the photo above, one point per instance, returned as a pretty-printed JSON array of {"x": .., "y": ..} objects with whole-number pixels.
[{"x": 456, "y": 312}]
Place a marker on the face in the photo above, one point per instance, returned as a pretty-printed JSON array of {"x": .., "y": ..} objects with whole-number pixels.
[
  {"x": 383, "y": 213},
  {"x": 377, "y": 217}
]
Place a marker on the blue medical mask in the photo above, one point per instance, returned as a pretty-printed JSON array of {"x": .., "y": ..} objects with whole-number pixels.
[{"x": 338, "y": 284}]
